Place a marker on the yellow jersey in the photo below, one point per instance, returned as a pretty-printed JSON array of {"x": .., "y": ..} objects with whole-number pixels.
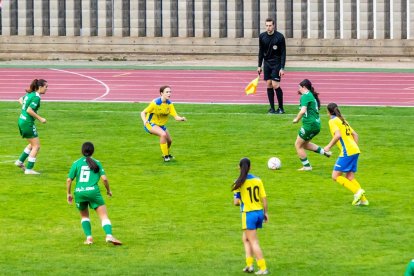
[
  {"x": 250, "y": 194},
  {"x": 157, "y": 111},
  {"x": 346, "y": 143}
]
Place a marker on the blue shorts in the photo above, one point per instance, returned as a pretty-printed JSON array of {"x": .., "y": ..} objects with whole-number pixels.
[
  {"x": 252, "y": 220},
  {"x": 347, "y": 163},
  {"x": 148, "y": 127}
]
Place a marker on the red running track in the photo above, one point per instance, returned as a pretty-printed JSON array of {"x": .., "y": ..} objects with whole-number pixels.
[{"x": 207, "y": 86}]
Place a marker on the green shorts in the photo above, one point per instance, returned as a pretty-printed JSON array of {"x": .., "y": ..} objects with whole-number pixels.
[
  {"x": 91, "y": 198},
  {"x": 27, "y": 130},
  {"x": 308, "y": 133}
]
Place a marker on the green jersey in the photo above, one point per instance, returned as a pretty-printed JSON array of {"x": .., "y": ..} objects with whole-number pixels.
[
  {"x": 310, "y": 119},
  {"x": 86, "y": 179},
  {"x": 31, "y": 99}
]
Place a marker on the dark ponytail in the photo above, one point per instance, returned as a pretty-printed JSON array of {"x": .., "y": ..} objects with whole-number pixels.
[
  {"x": 333, "y": 109},
  {"x": 307, "y": 83},
  {"x": 87, "y": 151},
  {"x": 244, "y": 170},
  {"x": 35, "y": 84}
]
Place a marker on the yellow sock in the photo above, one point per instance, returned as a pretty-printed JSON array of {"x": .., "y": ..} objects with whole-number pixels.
[
  {"x": 164, "y": 149},
  {"x": 261, "y": 264},
  {"x": 348, "y": 184},
  {"x": 357, "y": 184},
  {"x": 249, "y": 261}
]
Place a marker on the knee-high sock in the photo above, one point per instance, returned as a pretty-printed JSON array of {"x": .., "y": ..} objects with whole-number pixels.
[
  {"x": 271, "y": 97},
  {"x": 356, "y": 183},
  {"x": 261, "y": 264},
  {"x": 348, "y": 184},
  {"x": 164, "y": 149},
  {"x": 86, "y": 226},
  {"x": 279, "y": 94}
]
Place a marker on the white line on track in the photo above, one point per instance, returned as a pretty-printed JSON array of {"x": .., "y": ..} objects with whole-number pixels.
[{"x": 107, "y": 89}]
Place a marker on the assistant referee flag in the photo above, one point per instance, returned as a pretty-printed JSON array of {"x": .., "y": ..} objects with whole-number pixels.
[{"x": 252, "y": 86}]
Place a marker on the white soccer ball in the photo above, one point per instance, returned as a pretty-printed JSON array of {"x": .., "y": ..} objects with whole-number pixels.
[{"x": 274, "y": 163}]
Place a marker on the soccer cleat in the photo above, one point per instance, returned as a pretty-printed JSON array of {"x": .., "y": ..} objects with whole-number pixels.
[
  {"x": 357, "y": 197},
  {"x": 166, "y": 158},
  {"x": 20, "y": 164},
  {"x": 113, "y": 240},
  {"x": 363, "y": 202},
  {"x": 327, "y": 153},
  {"x": 170, "y": 156},
  {"x": 272, "y": 111},
  {"x": 262, "y": 272},
  {"x": 305, "y": 169},
  {"x": 280, "y": 111},
  {"x": 248, "y": 269},
  {"x": 88, "y": 241},
  {"x": 29, "y": 171}
]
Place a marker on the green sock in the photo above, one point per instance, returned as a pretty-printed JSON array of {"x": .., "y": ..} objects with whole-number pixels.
[
  {"x": 23, "y": 157},
  {"x": 320, "y": 150},
  {"x": 107, "y": 227},
  {"x": 30, "y": 163},
  {"x": 305, "y": 162},
  {"x": 86, "y": 226}
]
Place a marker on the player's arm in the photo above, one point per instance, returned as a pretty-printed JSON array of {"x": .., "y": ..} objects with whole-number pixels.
[
  {"x": 20, "y": 100},
  {"x": 236, "y": 199},
  {"x": 355, "y": 136},
  {"x": 266, "y": 215},
  {"x": 144, "y": 116},
  {"x": 106, "y": 184},
  {"x": 69, "y": 196},
  {"x": 335, "y": 138},
  {"x": 302, "y": 111},
  {"x": 179, "y": 118},
  {"x": 32, "y": 113}
]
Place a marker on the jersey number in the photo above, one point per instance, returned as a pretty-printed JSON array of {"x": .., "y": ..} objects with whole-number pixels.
[
  {"x": 347, "y": 130},
  {"x": 85, "y": 174},
  {"x": 254, "y": 195}
]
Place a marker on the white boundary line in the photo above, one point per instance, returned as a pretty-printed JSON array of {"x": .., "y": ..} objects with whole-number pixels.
[{"x": 107, "y": 89}]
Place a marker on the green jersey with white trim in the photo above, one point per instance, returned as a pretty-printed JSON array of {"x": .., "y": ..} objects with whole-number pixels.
[
  {"x": 31, "y": 99},
  {"x": 311, "y": 118},
  {"x": 86, "y": 179}
]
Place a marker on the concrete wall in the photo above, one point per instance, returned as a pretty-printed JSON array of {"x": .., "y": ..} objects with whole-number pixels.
[{"x": 128, "y": 29}]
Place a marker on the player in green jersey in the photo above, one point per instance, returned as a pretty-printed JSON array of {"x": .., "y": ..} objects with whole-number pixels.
[
  {"x": 87, "y": 172},
  {"x": 30, "y": 105},
  {"x": 311, "y": 124}
]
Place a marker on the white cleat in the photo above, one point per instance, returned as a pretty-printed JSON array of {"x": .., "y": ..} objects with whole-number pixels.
[
  {"x": 262, "y": 272},
  {"x": 88, "y": 241},
  {"x": 328, "y": 153},
  {"x": 113, "y": 240},
  {"x": 20, "y": 164},
  {"x": 28, "y": 171},
  {"x": 357, "y": 197},
  {"x": 248, "y": 269},
  {"x": 305, "y": 169}
]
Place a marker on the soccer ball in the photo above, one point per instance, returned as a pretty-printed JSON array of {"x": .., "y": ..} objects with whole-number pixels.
[{"x": 274, "y": 163}]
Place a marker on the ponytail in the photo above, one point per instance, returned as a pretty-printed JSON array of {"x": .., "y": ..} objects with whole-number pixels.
[
  {"x": 87, "y": 151},
  {"x": 333, "y": 109},
  {"x": 35, "y": 84},
  {"x": 244, "y": 170}
]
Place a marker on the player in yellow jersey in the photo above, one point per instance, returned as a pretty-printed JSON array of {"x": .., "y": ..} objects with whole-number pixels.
[
  {"x": 155, "y": 116},
  {"x": 250, "y": 194},
  {"x": 345, "y": 137}
]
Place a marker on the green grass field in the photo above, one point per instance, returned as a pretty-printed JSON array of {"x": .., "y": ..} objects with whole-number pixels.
[{"x": 177, "y": 218}]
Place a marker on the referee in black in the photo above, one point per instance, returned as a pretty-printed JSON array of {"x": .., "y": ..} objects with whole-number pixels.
[{"x": 272, "y": 55}]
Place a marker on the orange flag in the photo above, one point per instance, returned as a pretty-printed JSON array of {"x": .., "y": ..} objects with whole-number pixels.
[{"x": 252, "y": 86}]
